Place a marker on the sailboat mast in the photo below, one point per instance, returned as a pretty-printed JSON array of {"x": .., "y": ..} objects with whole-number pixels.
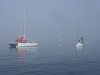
[
  {"x": 78, "y": 30},
  {"x": 24, "y": 26}
]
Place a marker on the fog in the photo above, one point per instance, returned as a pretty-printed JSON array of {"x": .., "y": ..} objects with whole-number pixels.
[{"x": 50, "y": 21}]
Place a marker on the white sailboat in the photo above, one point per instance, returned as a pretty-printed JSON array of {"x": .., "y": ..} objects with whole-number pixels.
[
  {"x": 79, "y": 44},
  {"x": 80, "y": 41},
  {"x": 21, "y": 40}
]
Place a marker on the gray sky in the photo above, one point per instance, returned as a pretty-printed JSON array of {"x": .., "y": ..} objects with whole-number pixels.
[{"x": 50, "y": 19}]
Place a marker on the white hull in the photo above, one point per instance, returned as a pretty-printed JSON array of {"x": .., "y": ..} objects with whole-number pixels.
[
  {"x": 27, "y": 44},
  {"x": 79, "y": 44}
]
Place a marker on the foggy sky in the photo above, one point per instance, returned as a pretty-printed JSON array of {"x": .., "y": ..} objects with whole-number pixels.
[{"x": 50, "y": 19}]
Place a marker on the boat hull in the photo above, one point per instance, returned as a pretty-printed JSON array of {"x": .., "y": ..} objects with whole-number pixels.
[
  {"x": 79, "y": 44},
  {"x": 26, "y": 44}
]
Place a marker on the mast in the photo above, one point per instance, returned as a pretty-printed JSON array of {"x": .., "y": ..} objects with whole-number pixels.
[
  {"x": 78, "y": 30},
  {"x": 24, "y": 33}
]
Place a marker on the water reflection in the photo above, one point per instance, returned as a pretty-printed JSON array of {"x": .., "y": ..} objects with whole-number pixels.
[
  {"x": 23, "y": 51},
  {"x": 79, "y": 48},
  {"x": 78, "y": 58}
]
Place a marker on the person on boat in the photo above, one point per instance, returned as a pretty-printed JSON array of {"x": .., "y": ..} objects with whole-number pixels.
[
  {"x": 79, "y": 40},
  {"x": 20, "y": 39}
]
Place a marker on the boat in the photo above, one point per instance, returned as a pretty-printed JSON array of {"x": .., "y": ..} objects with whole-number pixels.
[
  {"x": 80, "y": 41},
  {"x": 79, "y": 44},
  {"x": 21, "y": 40}
]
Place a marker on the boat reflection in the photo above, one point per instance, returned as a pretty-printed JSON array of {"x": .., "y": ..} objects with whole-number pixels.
[
  {"x": 79, "y": 48},
  {"x": 23, "y": 51},
  {"x": 79, "y": 54}
]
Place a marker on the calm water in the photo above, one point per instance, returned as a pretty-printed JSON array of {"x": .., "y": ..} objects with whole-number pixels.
[{"x": 50, "y": 60}]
